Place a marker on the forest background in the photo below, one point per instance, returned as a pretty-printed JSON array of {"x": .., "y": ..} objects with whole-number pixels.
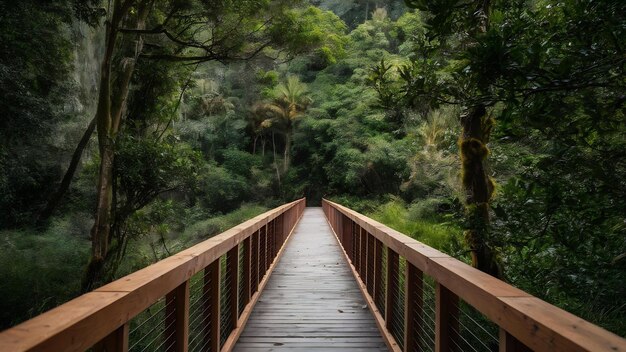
[{"x": 494, "y": 131}]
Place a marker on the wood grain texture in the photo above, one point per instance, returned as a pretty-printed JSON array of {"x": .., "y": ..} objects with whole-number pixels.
[
  {"x": 535, "y": 323},
  {"x": 311, "y": 301}
]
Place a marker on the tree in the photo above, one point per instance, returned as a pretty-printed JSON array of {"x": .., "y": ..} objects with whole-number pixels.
[
  {"x": 35, "y": 85},
  {"x": 290, "y": 101},
  {"x": 177, "y": 32},
  {"x": 496, "y": 60}
]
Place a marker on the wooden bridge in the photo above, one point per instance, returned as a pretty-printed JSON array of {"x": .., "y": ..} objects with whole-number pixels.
[{"x": 314, "y": 279}]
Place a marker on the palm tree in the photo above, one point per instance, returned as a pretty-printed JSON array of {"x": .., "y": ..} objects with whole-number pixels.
[{"x": 290, "y": 101}]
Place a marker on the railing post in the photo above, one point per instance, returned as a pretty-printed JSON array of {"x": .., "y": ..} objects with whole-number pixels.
[
  {"x": 391, "y": 293},
  {"x": 356, "y": 230},
  {"x": 346, "y": 234},
  {"x": 232, "y": 265},
  {"x": 117, "y": 341},
  {"x": 262, "y": 251},
  {"x": 371, "y": 264},
  {"x": 247, "y": 293},
  {"x": 378, "y": 270},
  {"x": 212, "y": 309},
  {"x": 177, "y": 323},
  {"x": 413, "y": 307},
  {"x": 363, "y": 255},
  {"x": 269, "y": 231},
  {"x": 508, "y": 343},
  {"x": 446, "y": 319},
  {"x": 254, "y": 264}
]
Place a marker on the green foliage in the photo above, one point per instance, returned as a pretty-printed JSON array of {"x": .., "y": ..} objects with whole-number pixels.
[
  {"x": 41, "y": 270},
  {"x": 35, "y": 62},
  {"x": 364, "y": 103},
  {"x": 443, "y": 236},
  {"x": 207, "y": 228},
  {"x": 220, "y": 190}
]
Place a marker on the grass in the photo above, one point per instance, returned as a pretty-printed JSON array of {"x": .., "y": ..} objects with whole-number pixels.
[
  {"x": 437, "y": 234},
  {"x": 41, "y": 270},
  {"x": 208, "y": 228}
]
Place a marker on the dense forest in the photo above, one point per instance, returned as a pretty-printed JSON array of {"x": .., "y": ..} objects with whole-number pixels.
[{"x": 494, "y": 131}]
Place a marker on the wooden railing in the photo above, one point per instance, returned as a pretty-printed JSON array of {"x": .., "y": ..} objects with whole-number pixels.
[
  {"x": 196, "y": 300},
  {"x": 424, "y": 300}
]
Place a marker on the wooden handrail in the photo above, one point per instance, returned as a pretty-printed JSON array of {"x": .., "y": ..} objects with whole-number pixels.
[
  {"x": 100, "y": 318},
  {"x": 526, "y": 322}
]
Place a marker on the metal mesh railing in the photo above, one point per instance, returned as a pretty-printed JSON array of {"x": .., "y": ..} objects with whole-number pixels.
[
  {"x": 199, "y": 312},
  {"x": 380, "y": 274},
  {"x": 396, "y": 297},
  {"x": 240, "y": 281},
  {"x": 475, "y": 332},
  {"x": 371, "y": 242},
  {"x": 262, "y": 252},
  {"x": 427, "y": 323},
  {"x": 147, "y": 330},
  {"x": 226, "y": 323}
]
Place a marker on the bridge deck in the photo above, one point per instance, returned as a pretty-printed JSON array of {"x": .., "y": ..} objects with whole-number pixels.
[{"x": 311, "y": 301}]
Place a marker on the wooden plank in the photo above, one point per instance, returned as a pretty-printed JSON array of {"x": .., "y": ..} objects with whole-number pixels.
[
  {"x": 254, "y": 264},
  {"x": 229, "y": 344},
  {"x": 371, "y": 243},
  {"x": 413, "y": 307},
  {"x": 391, "y": 293},
  {"x": 232, "y": 263},
  {"x": 363, "y": 255},
  {"x": 346, "y": 236},
  {"x": 378, "y": 272},
  {"x": 262, "y": 252},
  {"x": 492, "y": 297},
  {"x": 356, "y": 230},
  {"x": 117, "y": 341},
  {"x": 544, "y": 327},
  {"x": 212, "y": 279},
  {"x": 446, "y": 319},
  {"x": 311, "y": 301},
  {"x": 508, "y": 343},
  {"x": 177, "y": 321},
  {"x": 81, "y": 323},
  {"x": 247, "y": 293}
]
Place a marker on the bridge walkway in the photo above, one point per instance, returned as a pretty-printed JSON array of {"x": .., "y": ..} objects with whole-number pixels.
[{"x": 311, "y": 301}]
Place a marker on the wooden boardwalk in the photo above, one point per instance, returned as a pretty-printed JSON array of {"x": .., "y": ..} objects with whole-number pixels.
[{"x": 312, "y": 301}]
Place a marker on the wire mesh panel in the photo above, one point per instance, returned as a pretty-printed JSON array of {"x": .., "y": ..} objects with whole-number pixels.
[
  {"x": 380, "y": 274},
  {"x": 226, "y": 323},
  {"x": 199, "y": 313},
  {"x": 269, "y": 239},
  {"x": 356, "y": 246},
  {"x": 475, "y": 332},
  {"x": 262, "y": 252},
  {"x": 147, "y": 329},
  {"x": 414, "y": 298},
  {"x": 427, "y": 322},
  {"x": 395, "y": 287},
  {"x": 363, "y": 255},
  {"x": 240, "y": 275},
  {"x": 371, "y": 243},
  {"x": 254, "y": 262}
]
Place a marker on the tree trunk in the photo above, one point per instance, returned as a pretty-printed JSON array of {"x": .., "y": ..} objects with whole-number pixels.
[
  {"x": 100, "y": 230},
  {"x": 275, "y": 162},
  {"x": 287, "y": 154},
  {"x": 69, "y": 174},
  {"x": 478, "y": 188},
  {"x": 108, "y": 119},
  {"x": 263, "y": 141}
]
